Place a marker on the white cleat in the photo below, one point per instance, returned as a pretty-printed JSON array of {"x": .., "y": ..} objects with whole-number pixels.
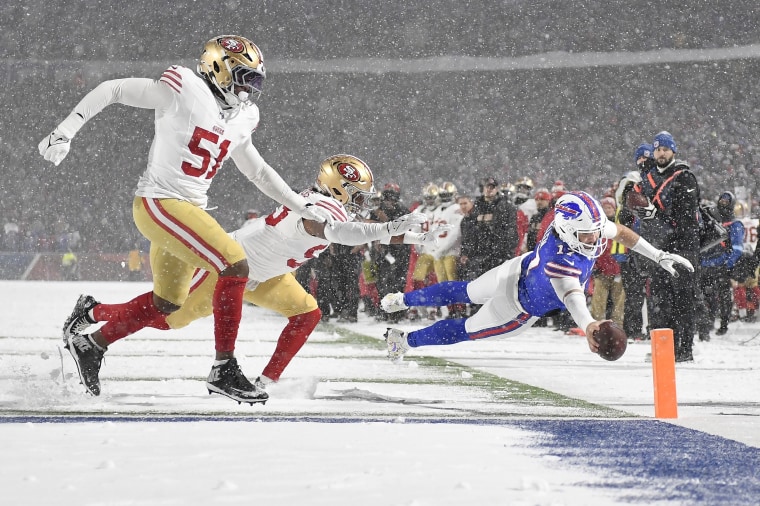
[
  {"x": 393, "y": 302},
  {"x": 397, "y": 344}
]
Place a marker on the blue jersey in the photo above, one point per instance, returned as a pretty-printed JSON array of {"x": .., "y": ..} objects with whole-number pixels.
[{"x": 552, "y": 258}]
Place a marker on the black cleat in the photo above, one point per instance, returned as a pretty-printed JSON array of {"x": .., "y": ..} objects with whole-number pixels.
[
  {"x": 227, "y": 379},
  {"x": 87, "y": 356},
  {"x": 79, "y": 319}
]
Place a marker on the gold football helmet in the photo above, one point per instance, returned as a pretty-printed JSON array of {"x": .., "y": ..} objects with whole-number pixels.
[
  {"x": 525, "y": 184},
  {"x": 233, "y": 68},
  {"x": 447, "y": 191},
  {"x": 430, "y": 194},
  {"x": 348, "y": 180}
]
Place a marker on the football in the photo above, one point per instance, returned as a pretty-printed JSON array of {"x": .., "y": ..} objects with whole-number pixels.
[
  {"x": 635, "y": 200},
  {"x": 612, "y": 341}
]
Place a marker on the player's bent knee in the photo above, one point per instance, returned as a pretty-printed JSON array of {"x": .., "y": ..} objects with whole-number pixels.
[
  {"x": 236, "y": 270},
  {"x": 164, "y": 305}
]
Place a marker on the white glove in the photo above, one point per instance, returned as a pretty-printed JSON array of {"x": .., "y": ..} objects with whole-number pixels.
[
  {"x": 55, "y": 147},
  {"x": 427, "y": 238},
  {"x": 667, "y": 260},
  {"x": 317, "y": 213},
  {"x": 647, "y": 213},
  {"x": 393, "y": 302},
  {"x": 405, "y": 223}
]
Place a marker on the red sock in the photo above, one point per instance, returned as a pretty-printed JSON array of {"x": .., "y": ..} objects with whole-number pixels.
[
  {"x": 129, "y": 317},
  {"x": 291, "y": 340},
  {"x": 228, "y": 308},
  {"x": 740, "y": 297},
  {"x": 753, "y": 298}
]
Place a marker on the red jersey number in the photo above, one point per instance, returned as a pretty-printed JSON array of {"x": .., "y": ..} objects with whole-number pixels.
[
  {"x": 276, "y": 217},
  {"x": 200, "y": 135}
]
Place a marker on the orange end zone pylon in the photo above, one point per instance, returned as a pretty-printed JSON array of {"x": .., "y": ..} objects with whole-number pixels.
[{"x": 664, "y": 374}]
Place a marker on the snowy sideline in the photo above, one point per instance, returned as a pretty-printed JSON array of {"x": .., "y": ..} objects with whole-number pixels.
[{"x": 346, "y": 425}]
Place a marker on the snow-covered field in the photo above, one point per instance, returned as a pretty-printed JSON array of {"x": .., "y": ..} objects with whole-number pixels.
[{"x": 535, "y": 419}]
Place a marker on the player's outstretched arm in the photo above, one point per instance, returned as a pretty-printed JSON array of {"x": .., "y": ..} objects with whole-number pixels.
[
  {"x": 664, "y": 259},
  {"x": 355, "y": 233},
  {"x": 133, "y": 91}
]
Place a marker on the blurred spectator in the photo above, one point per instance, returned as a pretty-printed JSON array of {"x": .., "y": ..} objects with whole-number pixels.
[
  {"x": 392, "y": 260},
  {"x": 717, "y": 263},
  {"x": 69, "y": 266},
  {"x": 543, "y": 200},
  {"x": 135, "y": 264},
  {"x": 11, "y": 236},
  {"x": 250, "y": 215},
  {"x": 608, "y": 284},
  {"x": 496, "y": 228},
  {"x": 422, "y": 261},
  {"x": 468, "y": 231},
  {"x": 448, "y": 250},
  {"x": 632, "y": 268}
]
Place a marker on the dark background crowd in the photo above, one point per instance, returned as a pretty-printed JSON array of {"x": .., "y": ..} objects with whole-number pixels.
[{"x": 452, "y": 90}]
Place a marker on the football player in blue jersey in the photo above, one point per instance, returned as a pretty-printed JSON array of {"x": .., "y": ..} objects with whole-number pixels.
[{"x": 517, "y": 293}]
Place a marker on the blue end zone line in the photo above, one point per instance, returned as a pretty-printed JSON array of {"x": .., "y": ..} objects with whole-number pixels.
[{"x": 645, "y": 460}]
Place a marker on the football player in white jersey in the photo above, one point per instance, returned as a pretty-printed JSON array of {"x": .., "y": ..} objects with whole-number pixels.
[
  {"x": 447, "y": 252},
  {"x": 424, "y": 263},
  {"x": 276, "y": 245},
  {"x": 200, "y": 120}
]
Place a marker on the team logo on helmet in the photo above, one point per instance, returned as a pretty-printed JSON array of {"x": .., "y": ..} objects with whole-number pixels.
[
  {"x": 568, "y": 210},
  {"x": 232, "y": 45},
  {"x": 349, "y": 172}
]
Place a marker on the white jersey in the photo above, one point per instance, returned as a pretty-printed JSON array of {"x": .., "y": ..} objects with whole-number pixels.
[
  {"x": 529, "y": 208},
  {"x": 278, "y": 243},
  {"x": 193, "y": 136},
  {"x": 430, "y": 212},
  {"x": 192, "y": 139},
  {"x": 750, "y": 233},
  {"x": 449, "y": 243}
]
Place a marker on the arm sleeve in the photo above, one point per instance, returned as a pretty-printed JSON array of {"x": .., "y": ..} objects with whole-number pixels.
[
  {"x": 133, "y": 91},
  {"x": 353, "y": 234},
  {"x": 570, "y": 292},
  {"x": 610, "y": 230},
  {"x": 259, "y": 172}
]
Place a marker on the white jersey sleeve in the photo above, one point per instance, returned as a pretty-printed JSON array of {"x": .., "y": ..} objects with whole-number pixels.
[
  {"x": 278, "y": 243},
  {"x": 135, "y": 92}
]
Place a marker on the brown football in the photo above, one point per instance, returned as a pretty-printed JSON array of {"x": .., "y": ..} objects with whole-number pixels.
[
  {"x": 635, "y": 200},
  {"x": 612, "y": 341}
]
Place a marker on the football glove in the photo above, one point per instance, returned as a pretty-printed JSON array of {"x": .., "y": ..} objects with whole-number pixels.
[
  {"x": 54, "y": 147},
  {"x": 668, "y": 260},
  {"x": 317, "y": 213},
  {"x": 405, "y": 223},
  {"x": 427, "y": 238},
  {"x": 647, "y": 213}
]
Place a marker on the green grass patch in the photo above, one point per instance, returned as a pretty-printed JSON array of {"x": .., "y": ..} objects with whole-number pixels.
[{"x": 510, "y": 393}]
